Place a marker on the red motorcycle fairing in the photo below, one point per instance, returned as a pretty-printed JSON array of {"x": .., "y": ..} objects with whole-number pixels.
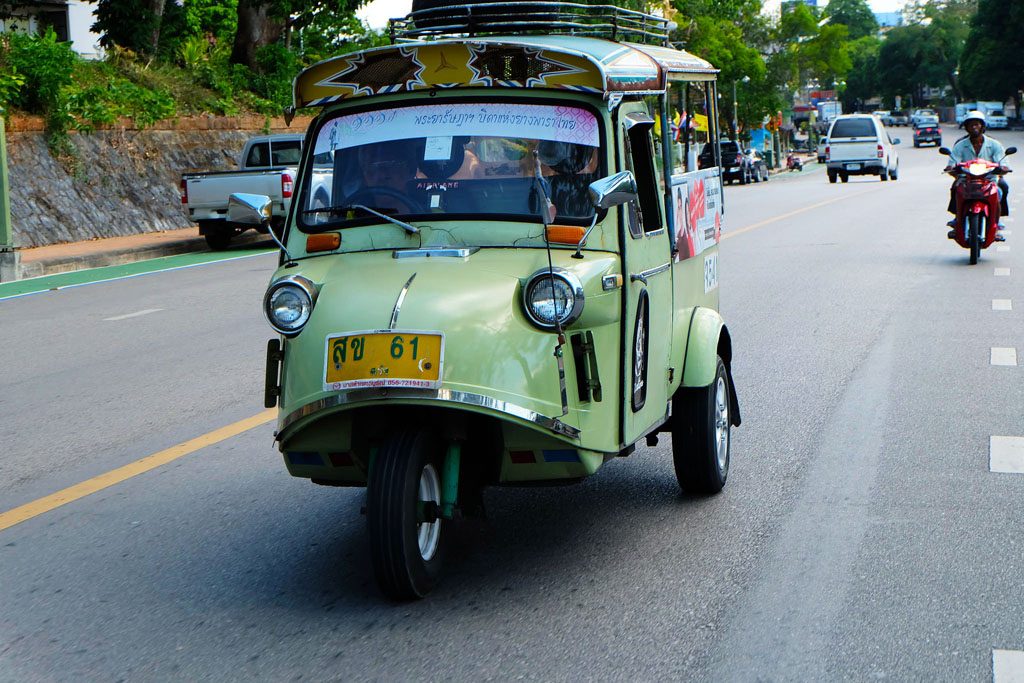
[{"x": 976, "y": 195}]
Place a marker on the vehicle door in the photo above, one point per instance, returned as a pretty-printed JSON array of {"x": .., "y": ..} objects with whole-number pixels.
[{"x": 647, "y": 280}]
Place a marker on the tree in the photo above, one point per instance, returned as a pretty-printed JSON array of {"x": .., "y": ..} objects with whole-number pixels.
[
  {"x": 855, "y": 15},
  {"x": 992, "y": 65},
  {"x": 263, "y": 22},
  {"x": 132, "y": 24},
  {"x": 862, "y": 80},
  {"x": 726, "y": 33}
]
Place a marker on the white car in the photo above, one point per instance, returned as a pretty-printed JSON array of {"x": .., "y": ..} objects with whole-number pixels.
[
  {"x": 923, "y": 115},
  {"x": 884, "y": 115},
  {"x": 822, "y": 144},
  {"x": 996, "y": 119},
  {"x": 858, "y": 144}
]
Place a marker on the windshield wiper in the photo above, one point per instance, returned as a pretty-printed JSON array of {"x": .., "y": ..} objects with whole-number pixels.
[{"x": 411, "y": 229}]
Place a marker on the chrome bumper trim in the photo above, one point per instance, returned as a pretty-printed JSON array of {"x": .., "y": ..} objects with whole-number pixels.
[{"x": 441, "y": 395}]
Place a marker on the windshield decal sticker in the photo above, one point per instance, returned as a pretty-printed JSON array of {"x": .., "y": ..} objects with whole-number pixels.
[{"x": 442, "y": 121}]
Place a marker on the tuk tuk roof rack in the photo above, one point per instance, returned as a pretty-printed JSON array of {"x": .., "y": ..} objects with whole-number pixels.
[{"x": 562, "y": 18}]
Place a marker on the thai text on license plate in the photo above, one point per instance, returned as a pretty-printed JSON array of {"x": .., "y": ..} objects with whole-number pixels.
[
  {"x": 384, "y": 358},
  {"x": 853, "y": 167}
]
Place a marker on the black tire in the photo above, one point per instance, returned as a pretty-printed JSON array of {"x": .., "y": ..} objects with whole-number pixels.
[
  {"x": 402, "y": 570},
  {"x": 698, "y": 435},
  {"x": 895, "y": 173},
  {"x": 744, "y": 177},
  {"x": 219, "y": 239},
  {"x": 974, "y": 236},
  {"x": 845, "y": 177},
  {"x": 832, "y": 176},
  {"x": 884, "y": 175}
]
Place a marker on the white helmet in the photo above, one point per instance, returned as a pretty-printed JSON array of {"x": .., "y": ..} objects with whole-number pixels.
[{"x": 979, "y": 115}]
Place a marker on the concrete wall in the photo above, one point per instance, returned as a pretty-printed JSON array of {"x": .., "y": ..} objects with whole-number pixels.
[{"x": 123, "y": 182}]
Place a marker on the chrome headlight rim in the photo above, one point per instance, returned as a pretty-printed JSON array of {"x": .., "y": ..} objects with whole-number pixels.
[
  {"x": 305, "y": 286},
  {"x": 538, "y": 280}
]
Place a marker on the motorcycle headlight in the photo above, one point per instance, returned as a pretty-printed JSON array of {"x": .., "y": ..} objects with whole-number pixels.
[
  {"x": 288, "y": 304},
  {"x": 552, "y": 300},
  {"x": 977, "y": 169}
]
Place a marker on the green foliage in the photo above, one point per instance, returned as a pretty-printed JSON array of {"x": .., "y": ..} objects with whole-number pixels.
[
  {"x": 992, "y": 66},
  {"x": 856, "y": 15},
  {"x": 862, "y": 82},
  {"x": 45, "y": 65}
]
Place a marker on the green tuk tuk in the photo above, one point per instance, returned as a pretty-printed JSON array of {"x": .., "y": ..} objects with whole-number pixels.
[{"x": 507, "y": 272}]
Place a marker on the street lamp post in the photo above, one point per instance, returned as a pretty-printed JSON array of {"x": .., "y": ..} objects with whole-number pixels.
[{"x": 735, "y": 108}]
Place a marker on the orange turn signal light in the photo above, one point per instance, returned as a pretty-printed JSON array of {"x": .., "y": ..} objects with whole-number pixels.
[
  {"x": 566, "y": 234},
  {"x": 325, "y": 241}
]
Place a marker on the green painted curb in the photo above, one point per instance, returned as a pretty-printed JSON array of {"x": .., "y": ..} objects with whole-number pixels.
[{"x": 88, "y": 276}]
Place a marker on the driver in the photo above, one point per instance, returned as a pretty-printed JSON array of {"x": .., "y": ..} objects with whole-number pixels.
[
  {"x": 386, "y": 166},
  {"x": 977, "y": 145}
]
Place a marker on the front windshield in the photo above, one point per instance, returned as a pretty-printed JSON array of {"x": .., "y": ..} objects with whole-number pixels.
[{"x": 454, "y": 160}]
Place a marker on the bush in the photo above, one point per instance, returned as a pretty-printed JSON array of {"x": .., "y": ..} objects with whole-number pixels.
[{"x": 46, "y": 66}]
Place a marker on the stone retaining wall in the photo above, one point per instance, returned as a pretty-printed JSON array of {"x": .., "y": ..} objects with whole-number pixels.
[{"x": 126, "y": 182}]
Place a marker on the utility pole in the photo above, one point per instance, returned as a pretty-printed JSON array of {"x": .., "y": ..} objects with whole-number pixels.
[{"x": 8, "y": 256}]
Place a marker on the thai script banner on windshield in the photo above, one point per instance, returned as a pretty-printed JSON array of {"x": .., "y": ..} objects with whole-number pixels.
[{"x": 530, "y": 121}]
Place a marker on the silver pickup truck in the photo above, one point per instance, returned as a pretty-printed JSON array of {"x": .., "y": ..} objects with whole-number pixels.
[{"x": 269, "y": 166}]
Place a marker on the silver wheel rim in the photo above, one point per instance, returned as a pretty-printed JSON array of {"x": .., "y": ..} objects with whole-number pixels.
[
  {"x": 429, "y": 533},
  {"x": 722, "y": 424}
]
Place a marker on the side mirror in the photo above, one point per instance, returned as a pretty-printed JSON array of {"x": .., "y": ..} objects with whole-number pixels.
[
  {"x": 249, "y": 209},
  {"x": 895, "y": 141},
  {"x": 944, "y": 151},
  {"x": 614, "y": 190},
  {"x": 1011, "y": 150}
]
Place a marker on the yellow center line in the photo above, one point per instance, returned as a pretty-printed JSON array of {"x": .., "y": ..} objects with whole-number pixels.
[
  {"x": 733, "y": 233},
  {"x": 132, "y": 469}
]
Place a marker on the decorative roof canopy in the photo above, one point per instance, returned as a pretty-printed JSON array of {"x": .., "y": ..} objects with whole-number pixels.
[{"x": 571, "y": 63}]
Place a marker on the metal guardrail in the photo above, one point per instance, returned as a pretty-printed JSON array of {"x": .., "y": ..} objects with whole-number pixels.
[{"x": 563, "y": 18}]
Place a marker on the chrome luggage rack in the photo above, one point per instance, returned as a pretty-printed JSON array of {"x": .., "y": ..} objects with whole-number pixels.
[{"x": 564, "y": 18}]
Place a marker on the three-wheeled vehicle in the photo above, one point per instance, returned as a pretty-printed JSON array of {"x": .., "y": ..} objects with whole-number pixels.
[{"x": 512, "y": 276}]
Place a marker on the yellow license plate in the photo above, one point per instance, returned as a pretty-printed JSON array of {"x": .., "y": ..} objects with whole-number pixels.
[{"x": 384, "y": 358}]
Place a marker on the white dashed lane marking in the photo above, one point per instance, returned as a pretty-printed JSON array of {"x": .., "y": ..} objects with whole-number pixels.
[
  {"x": 1002, "y": 305},
  {"x": 1007, "y": 666},
  {"x": 1003, "y": 247},
  {"x": 1007, "y": 232},
  {"x": 1003, "y": 356},
  {"x": 1002, "y": 272},
  {"x": 134, "y": 315}
]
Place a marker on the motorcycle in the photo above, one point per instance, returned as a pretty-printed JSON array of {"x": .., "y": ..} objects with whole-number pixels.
[
  {"x": 977, "y": 202},
  {"x": 794, "y": 163}
]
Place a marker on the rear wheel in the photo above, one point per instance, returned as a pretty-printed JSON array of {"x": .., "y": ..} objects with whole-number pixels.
[
  {"x": 403, "y": 504},
  {"x": 974, "y": 236},
  {"x": 884, "y": 175},
  {"x": 845, "y": 177},
  {"x": 218, "y": 234},
  {"x": 832, "y": 176},
  {"x": 701, "y": 433}
]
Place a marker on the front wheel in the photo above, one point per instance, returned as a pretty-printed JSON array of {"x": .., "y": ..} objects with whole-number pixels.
[
  {"x": 974, "y": 236},
  {"x": 701, "y": 434},
  {"x": 403, "y": 504}
]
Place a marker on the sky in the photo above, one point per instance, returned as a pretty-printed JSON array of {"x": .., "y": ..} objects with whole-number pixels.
[{"x": 377, "y": 12}]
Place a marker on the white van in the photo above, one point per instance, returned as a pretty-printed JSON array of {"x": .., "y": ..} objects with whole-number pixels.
[{"x": 858, "y": 144}]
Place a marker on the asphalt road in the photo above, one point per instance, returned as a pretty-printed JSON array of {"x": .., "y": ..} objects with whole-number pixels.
[{"x": 861, "y": 536}]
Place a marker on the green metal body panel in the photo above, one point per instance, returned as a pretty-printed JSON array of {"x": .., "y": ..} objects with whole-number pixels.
[
  {"x": 701, "y": 362},
  {"x": 491, "y": 349}
]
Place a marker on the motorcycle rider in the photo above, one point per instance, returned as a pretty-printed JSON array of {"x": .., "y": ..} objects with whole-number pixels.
[{"x": 977, "y": 145}]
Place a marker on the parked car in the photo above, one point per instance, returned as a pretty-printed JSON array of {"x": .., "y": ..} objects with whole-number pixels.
[
  {"x": 884, "y": 115},
  {"x": 735, "y": 164},
  {"x": 995, "y": 119},
  {"x": 269, "y": 166},
  {"x": 858, "y": 144},
  {"x": 927, "y": 133},
  {"x": 899, "y": 118},
  {"x": 822, "y": 144},
  {"x": 920, "y": 115}
]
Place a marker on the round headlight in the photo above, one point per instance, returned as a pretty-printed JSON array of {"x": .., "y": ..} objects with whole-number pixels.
[
  {"x": 553, "y": 300},
  {"x": 289, "y": 303}
]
